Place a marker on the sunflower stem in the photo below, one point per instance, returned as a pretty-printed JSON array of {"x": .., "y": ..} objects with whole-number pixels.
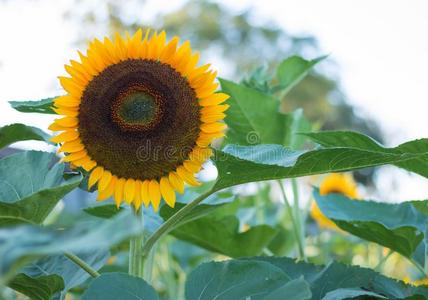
[
  {"x": 135, "y": 249},
  {"x": 172, "y": 222},
  {"x": 79, "y": 262},
  {"x": 289, "y": 210}
]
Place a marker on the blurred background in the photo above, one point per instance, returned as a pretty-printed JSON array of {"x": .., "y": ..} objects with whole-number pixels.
[{"x": 373, "y": 81}]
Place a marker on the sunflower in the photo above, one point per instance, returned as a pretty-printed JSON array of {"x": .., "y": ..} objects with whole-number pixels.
[
  {"x": 333, "y": 183},
  {"x": 139, "y": 116}
]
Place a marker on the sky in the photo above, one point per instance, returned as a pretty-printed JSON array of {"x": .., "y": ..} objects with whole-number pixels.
[{"x": 380, "y": 47}]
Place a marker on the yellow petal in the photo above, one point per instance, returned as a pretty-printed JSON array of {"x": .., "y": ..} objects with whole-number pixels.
[
  {"x": 200, "y": 154},
  {"x": 55, "y": 127},
  {"x": 120, "y": 46},
  {"x": 66, "y": 101},
  {"x": 76, "y": 75},
  {"x": 83, "y": 162},
  {"x": 95, "y": 176},
  {"x": 169, "y": 50},
  {"x": 104, "y": 180},
  {"x": 187, "y": 176},
  {"x": 66, "y": 136},
  {"x": 79, "y": 67},
  {"x": 214, "y": 99},
  {"x": 89, "y": 164},
  {"x": 87, "y": 66},
  {"x": 210, "y": 118},
  {"x": 167, "y": 192},
  {"x": 216, "y": 109},
  {"x": 109, "y": 46},
  {"x": 192, "y": 166},
  {"x": 154, "y": 193},
  {"x": 72, "y": 146},
  {"x": 190, "y": 66},
  {"x": 196, "y": 73},
  {"x": 144, "y": 45},
  {"x": 134, "y": 43},
  {"x": 118, "y": 192},
  {"x": 129, "y": 190},
  {"x": 71, "y": 87},
  {"x": 204, "y": 80},
  {"x": 67, "y": 122},
  {"x": 213, "y": 127},
  {"x": 108, "y": 191},
  {"x": 176, "y": 182},
  {"x": 145, "y": 193},
  {"x": 137, "y": 199},
  {"x": 66, "y": 112},
  {"x": 206, "y": 91},
  {"x": 205, "y": 139},
  {"x": 75, "y": 156}
]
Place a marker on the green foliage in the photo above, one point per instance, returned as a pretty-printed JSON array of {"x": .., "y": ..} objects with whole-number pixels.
[
  {"x": 400, "y": 227},
  {"x": 220, "y": 233},
  {"x": 43, "y": 106},
  {"x": 113, "y": 286},
  {"x": 106, "y": 211},
  {"x": 35, "y": 242},
  {"x": 259, "y": 276},
  {"x": 293, "y": 69},
  {"x": 37, "y": 288},
  {"x": 19, "y": 132},
  {"x": 30, "y": 187},
  {"x": 242, "y": 164}
]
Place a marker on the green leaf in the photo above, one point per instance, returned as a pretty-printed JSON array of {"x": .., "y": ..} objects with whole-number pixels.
[
  {"x": 341, "y": 294},
  {"x": 355, "y": 140},
  {"x": 297, "y": 289},
  {"x": 293, "y": 69},
  {"x": 37, "y": 288},
  {"x": 19, "y": 132},
  {"x": 43, "y": 106},
  {"x": 295, "y": 122},
  {"x": 30, "y": 188},
  {"x": 334, "y": 276},
  {"x": 60, "y": 265},
  {"x": 113, "y": 286},
  {"x": 219, "y": 233},
  {"x": 243, "y": 164},
  {"x": 35, "y": 241},
  {"x": 105, "y": 211},
  {"x": 234, "y": 279},
  {"x": 246, "y": 116},
  {"x": 400, "y": 227}
]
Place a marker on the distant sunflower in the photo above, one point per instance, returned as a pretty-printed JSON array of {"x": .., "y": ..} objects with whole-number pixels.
[
  {"x": 333, "y": 183},
  {"x": 139, "y": 116}
]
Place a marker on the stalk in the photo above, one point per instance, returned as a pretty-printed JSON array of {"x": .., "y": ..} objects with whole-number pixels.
[
  {"x": 75, "y": 259},
  {"x": 135, "y": 250}
]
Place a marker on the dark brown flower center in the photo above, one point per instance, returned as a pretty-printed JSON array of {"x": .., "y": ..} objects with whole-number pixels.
[{"x": 139, "y": 119}]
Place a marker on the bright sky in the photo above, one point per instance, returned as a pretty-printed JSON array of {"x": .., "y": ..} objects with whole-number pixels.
[{"x": 380, "y": 46}]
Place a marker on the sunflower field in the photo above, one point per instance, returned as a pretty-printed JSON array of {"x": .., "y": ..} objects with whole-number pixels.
[{"x": 203, "y": 188}]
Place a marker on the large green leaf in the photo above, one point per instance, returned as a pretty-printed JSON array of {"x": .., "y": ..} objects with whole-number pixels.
[
  {"x": 220, "y": 233},
  {"x": 400, "y": 227},
  {"x": 19, "y": 132},
  {"x": 355, "y": 140},
  {"x": 341, "y": 294},
  {"x": 35, "y": 242},
  {"x": 105, "y": 211},
  {"x": 234, "y": 279},
  {"x": 337, "y": 276},
  {"x": 293, "y": 69},
  {"x": 247, "y": 119},
  {"x": 43, "y": 106},
  {"x": 60, "y": 265},
  {"x": 242, "y": 164},
  {"x": 30, "y": 187},
  {"x": 297, "y": 289},
  {"x": 114, "y": 286},
  {"x": 42, "y": 287}
]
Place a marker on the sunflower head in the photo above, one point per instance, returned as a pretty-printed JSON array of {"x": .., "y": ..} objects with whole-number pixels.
[
  {"x": 333, "y": 183},
  {"x": 139, "y": 116}
]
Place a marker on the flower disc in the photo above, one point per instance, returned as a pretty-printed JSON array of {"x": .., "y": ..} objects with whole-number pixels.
[{"x": 139, "y": 115}]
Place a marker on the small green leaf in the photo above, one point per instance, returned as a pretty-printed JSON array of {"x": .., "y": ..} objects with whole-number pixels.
[
  {"x": 114, "y": 286},
  {"x": 234, "y": 279},
  {"x": 43, "y": 106},
  {"x": 400, "y": 227},
  {"x": 30, "y": 188},
  {"x": 35, "y": 241},
  {"x": 19, "y": 132},
  {"x": 106, "y": 211},
  {"x": 293, "y": 69},
  {"x": 37, "y": 288},
  {"x": 219, "y": 233},
  {"x": 246, "y": 116}
]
